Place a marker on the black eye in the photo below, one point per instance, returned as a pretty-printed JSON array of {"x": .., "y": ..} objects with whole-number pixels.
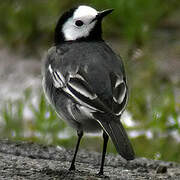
[{"x": 79, "y": 23}]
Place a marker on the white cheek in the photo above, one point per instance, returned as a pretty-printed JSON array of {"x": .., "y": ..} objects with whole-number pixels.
[{"x": 71, "y": 32}]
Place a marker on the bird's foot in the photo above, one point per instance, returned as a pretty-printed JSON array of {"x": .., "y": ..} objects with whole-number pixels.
[
  {"x": 101, "y": 175},
  {"x": 72, "y": 167}
]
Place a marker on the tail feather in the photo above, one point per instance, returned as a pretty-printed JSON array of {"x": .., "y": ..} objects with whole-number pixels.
[{"x": 116, "y": 131}]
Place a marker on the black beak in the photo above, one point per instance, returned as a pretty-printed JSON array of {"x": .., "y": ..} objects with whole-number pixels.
[{"x": 102, "y": 14}]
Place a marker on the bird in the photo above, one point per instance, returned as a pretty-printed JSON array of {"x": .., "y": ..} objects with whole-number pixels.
[{"x": 85, "y": 82}]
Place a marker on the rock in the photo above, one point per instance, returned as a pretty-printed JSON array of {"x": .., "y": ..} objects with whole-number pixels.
[
  {"x": 25, "y": 160},
  {"x": 161, "y": 169}
]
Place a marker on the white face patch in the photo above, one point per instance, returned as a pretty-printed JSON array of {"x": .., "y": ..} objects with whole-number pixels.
[{"x": 85, "y": 14}]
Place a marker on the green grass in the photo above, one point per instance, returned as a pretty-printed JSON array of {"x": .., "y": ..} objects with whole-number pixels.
[
  {"x": 44, "y": 126},
  {"x": 152, "y": 96}
]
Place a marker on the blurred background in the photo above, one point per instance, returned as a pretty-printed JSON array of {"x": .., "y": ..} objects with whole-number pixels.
[{"x": 147, "y": 36}]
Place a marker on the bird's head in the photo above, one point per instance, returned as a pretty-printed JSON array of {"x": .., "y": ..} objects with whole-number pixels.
[{"x": 81, "y": 23}]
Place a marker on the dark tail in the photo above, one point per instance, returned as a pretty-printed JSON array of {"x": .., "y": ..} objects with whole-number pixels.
[{"x": 114, "y": 128}]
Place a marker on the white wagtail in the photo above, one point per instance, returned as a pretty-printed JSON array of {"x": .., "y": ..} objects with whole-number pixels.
[{"x": 84, "y": 80}]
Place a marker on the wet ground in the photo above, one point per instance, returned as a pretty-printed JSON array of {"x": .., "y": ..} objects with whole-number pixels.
[{"x": 16, "y": 74}]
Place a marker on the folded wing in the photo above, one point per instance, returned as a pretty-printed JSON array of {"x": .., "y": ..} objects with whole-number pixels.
[{"x": 76, "y": 86}]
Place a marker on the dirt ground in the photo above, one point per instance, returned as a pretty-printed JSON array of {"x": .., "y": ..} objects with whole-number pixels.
[{"x": 25, "y": 160}]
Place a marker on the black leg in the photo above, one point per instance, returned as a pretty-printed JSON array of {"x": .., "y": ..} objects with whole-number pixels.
[
  {"x": 105, "y": 137},
  {"x": 80, "y": 134}
]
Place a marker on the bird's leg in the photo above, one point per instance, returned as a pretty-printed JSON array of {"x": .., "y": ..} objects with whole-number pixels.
[
  {"x": 80, "y": 134},
  {"x": 106, "y": 138}
]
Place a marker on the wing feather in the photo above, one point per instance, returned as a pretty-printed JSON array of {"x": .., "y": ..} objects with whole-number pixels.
[
  {"x": 120, "y": 93},
  {"x": 77, "y": 87}
]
